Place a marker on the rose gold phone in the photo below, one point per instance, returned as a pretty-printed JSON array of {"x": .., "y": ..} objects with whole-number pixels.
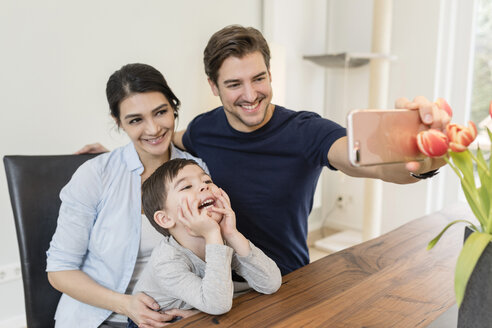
[{"x": 377, "y": 136}]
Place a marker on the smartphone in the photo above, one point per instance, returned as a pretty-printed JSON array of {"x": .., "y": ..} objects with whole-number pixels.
[{"x": 389, "y": 136}]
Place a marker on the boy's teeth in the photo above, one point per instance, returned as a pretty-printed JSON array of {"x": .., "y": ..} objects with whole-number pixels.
[{"x": 206, "y": 203}]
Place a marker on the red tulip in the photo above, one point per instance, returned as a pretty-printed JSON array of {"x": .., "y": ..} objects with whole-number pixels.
[
  {"x": 432, "y": 143},
  {"x": 443, "y": 104},
  {"x": 490, "y": 108},
  {"x": 460, "y": 136}
]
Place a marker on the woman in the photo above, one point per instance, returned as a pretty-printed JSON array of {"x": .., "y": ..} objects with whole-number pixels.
[{"x": 101, "y": 242}]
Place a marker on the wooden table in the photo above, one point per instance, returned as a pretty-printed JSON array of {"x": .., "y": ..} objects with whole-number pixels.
[{"x": 390, "y": 281}]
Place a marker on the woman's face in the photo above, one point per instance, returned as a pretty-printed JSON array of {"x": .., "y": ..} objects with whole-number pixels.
[{"x": 148, "y": 119}]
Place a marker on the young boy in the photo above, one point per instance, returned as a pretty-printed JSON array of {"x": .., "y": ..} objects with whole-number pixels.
[{"x": 191, "y": 267}]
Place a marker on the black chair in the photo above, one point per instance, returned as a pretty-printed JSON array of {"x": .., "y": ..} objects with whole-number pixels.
[{"x": 34, "y": 186}]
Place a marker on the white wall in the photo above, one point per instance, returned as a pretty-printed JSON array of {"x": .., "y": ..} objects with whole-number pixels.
[{"x": 55, "y": 59}]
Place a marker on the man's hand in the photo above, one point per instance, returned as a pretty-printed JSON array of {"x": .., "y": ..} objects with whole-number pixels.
[
  {"x": 430, "y": 113},
  {"x": 432, "y": 116},
  {"x": 94, "y": 148}
]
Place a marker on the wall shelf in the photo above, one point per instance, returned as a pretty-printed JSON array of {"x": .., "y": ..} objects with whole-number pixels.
[{"x": 346, "y": 59}]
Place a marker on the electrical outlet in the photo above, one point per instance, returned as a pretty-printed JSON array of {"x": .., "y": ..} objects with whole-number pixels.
[
  {"x": 9, "y": 272},
  {"x": 342, "y": 201}
]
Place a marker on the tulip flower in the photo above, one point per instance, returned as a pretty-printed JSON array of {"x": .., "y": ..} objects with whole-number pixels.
[
  {"x": 467, "y": 167},
  {"x": 432, "y": 143},
  {"x": 460, "y": 136},
  {"x": 443, "y": 104}
]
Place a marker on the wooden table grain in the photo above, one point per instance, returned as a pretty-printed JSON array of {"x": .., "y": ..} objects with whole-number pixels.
[{"x": 390, "y": 281}]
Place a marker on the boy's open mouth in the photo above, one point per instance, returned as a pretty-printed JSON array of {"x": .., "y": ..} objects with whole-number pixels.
[{"x": 207, "y": 203}]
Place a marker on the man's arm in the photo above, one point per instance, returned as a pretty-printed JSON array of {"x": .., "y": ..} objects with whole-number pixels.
[
  {"x": 396, "y": 173},
  {"x": 430, "y": 115},
  {"x": 178, "y": 139}
]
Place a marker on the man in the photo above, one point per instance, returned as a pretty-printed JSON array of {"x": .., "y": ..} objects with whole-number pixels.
[{"x": 268, "y": 158}]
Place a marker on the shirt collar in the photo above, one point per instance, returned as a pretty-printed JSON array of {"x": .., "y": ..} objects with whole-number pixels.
[{"x": 133, "y": 161}]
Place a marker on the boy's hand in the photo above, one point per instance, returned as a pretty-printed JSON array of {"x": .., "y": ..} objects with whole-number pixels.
[
  {"x": 199, "y": 224},
  {"x": 223, "y": 206},
  {"x": 234, "y": 238}
]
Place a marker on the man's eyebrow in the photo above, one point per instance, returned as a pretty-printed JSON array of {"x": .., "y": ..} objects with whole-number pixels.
[
  {"x": 238, "y": 80},
  {"x": 162, "y": 106}
]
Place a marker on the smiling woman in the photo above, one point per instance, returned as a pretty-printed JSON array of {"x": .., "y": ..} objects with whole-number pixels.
[
  {"x": 148, "y": 120},
  {"x": 101, "y": 243}
]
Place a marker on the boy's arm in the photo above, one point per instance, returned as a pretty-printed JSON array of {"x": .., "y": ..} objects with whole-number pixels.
[
  {"x": 175, "y": 268},
  {"x": 260, "y": 271},
  {"x": 211, "y": 294}
]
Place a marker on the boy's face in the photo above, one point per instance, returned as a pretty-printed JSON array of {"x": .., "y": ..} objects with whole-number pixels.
[
  {"x": 192, "y": 183},
  {"x": 244, "y": 87}
]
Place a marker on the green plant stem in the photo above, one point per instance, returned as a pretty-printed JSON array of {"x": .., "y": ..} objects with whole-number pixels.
[
  {"x": 479, "y": 163},
  {"x": 471, "y": 193}
]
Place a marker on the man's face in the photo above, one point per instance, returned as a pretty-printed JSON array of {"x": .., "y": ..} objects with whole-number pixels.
[
  {"x": 192, "y": 183},
  {"x": 244, "y": 87}
]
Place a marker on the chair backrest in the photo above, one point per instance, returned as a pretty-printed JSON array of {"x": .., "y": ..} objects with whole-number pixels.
[{"x": 34, "y": 186}]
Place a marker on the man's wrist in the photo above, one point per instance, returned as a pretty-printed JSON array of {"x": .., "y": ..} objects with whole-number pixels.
[{"x": 425, "y": 175}]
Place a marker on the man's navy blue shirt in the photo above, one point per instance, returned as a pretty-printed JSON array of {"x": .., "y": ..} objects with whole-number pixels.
[{"x": 269, "y": 174}]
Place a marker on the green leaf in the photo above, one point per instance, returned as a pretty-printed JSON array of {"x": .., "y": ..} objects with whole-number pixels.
[
  {"x": 472, "y": 198},
  {"x": 464, "y": 163},
  {"x": 468, "y": 258},
  {"x": 490, "y": 149},
  {"x": 434, "y": 241},
  {"x": 485, "y": 190},
  {"x": 463, "y": 167}
]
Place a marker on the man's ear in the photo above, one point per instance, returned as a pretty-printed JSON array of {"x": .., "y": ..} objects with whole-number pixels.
[
  {"x": 163, "y": 220},
  {"x": 214, "y": 87}
]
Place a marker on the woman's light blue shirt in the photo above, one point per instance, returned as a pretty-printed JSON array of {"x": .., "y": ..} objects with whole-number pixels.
[{"x": 98, "y": 228}]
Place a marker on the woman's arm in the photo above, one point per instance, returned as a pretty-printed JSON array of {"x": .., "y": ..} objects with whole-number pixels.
[{"x": 78, "y": 285}]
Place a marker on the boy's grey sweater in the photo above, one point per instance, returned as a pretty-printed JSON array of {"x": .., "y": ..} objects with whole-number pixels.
[{"x": 176, "y": 278}]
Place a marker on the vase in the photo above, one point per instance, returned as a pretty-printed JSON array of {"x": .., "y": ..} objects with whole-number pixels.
[{"x": 476, "y": 308}]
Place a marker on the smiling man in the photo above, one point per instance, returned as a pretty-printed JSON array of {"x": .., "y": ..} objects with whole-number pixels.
[{"x": 269, "y": 158}]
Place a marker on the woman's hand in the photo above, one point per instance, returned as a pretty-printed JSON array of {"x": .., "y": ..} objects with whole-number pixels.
[{"x": 143, "y": 310}]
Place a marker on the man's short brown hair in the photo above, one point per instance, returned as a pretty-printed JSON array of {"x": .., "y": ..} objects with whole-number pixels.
[{"x": 233, "y": 40}]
